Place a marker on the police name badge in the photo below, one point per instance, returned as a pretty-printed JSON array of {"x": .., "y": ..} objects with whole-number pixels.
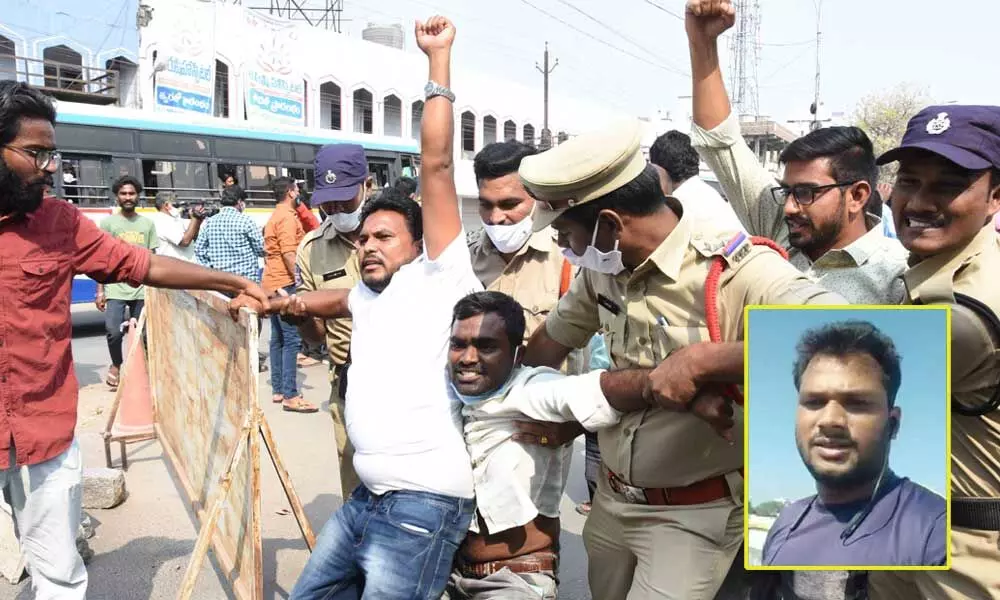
[{"x": 939, "y": 124}]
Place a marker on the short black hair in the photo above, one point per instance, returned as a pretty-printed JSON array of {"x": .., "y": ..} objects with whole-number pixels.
[
  {"x": 850, "y": 150},
  {"x": 640, "y": 197},
  {"x": 500, "y": 158},
  {"x": 851, "y": 337},
  {"x": 407, "y": 185},
  {"x": 126, "y": 180},
  {"x": 994, "y": 177},
  {"x": 674, "y": 153},
  {"x": 392, "y": 199},
  {"x": 231, "y": 195},
  {"x": 481, "y": 303},
  {"x": 281, "y": 186},
  {"x": 18, "y": 101}
]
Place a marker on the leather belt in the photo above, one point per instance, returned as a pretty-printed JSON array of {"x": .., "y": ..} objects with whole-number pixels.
[
  {"x": 982, "y": 514},
  {"x": 699, "y": 492},
  {"x": 536, "y": 562}
]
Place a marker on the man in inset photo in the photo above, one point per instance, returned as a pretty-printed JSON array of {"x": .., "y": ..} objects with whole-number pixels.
[{"x": 847, "y": 375}]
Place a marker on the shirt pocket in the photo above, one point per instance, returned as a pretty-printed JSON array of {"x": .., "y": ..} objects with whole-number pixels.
[
  {"x": 669, "y": 338},
  {"x": 612, "y": 329},
  {"x": 42, "y": 280}
]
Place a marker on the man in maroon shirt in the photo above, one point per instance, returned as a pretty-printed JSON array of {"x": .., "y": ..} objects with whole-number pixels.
[{"x": 44, "y": 242}]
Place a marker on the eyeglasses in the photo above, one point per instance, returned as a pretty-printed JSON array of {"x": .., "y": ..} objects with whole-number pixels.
[
  {"x": 43, "y": 158},
  {"x": 805, "y": 194}
]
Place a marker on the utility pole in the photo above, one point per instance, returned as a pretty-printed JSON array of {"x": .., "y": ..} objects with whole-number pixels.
[
  {"x": 814, "y": 109},
  {"x": 546, "y": 141}
]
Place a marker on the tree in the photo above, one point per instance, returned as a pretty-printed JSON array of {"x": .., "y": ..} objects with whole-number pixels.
[
  {"x": 883, "y": 116},
  {"x": 771, "y": 508}
]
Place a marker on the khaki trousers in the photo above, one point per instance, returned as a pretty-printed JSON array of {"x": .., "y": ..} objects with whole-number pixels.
[
  {"x": 345, "y": 450},
  {"x": 639, "y": 552},
  {"x": 974, "y": 574}
]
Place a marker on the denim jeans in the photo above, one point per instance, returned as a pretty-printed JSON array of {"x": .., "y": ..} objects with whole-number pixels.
[
  {"x": 285, "y": 346},
  {"x": 114, "y": 317},
  {"x": 398, "y": 546}
]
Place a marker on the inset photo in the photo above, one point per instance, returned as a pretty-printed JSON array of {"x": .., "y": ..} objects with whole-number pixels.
[{"x": 847, "y": 438}]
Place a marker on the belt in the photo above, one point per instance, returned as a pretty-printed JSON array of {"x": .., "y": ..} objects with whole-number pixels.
[
  {"x": 536, "y": 562},
  {"x": 699, "y": 492},
  {"x": 982, "y": 514}
]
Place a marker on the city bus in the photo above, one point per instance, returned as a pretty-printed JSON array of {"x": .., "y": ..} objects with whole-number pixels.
[{"x": 190, "y": 156}]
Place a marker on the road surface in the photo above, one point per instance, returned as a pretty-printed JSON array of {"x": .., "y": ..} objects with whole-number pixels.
[{"x": 142, "y": 546}]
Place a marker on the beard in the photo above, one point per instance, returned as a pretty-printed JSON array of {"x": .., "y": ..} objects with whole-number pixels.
[
  {"x": 817, "y": 237},
  {"x": 20, "y": 197},
  {"x": 867, "y": 469}
]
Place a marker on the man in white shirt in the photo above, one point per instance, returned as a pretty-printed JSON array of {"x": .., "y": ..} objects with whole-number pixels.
[
  {"x": 175, "y": 236},
  {"x": 676, "y": 161},
  {"x": 512, "y": 549},
  {"x": 396, "y": 536}
]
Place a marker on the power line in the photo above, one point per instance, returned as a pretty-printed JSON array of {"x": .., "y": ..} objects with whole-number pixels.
[
  {"x": 608, "y": 44},
  {"x": 611, "y": 29},
  {"x": 666, "y": 10}
]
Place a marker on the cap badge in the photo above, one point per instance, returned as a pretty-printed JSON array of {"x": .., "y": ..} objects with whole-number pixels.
[
  {"x": 939, "y": 124},
  {"x": 330, "y": 177}
]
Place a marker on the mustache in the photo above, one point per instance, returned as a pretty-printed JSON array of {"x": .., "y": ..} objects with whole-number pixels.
[
  {"x": 798, "y": 221},
  {"x": 832, "y": 442}
]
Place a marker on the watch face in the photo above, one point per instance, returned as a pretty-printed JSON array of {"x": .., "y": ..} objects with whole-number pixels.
[{"x": 428, "y": 88}]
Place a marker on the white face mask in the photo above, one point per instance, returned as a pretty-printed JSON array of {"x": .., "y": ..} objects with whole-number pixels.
[
  {"x": 510, "y": 238},
  {"x": 609, "y": 263},
  {"x": 174, "y": 212},
  {"x": 347, "y": 222}
]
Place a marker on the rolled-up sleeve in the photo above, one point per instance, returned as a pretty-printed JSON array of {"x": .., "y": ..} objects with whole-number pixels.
[
  {"x": 745, "y": 181},
  {"x": 105, "y": 258}
]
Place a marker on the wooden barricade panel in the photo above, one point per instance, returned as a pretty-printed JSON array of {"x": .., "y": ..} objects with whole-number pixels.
[{"x": 203, "y": 379}]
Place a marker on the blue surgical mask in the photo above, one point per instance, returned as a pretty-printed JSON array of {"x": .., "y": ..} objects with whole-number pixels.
[{"x": 473, "y": 400}]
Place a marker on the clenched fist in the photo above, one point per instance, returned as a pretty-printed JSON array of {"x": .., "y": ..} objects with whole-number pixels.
[
  {"x": 437, "y": 34},
  {"x": 706, "y": 20}
]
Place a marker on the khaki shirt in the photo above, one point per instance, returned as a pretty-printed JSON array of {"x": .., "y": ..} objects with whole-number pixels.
[
  {"x": 532, "y": 277},
  {"x": 867, "y": 271},
  {"x": 660, "y": 307},
  {"x": 975, "y": 358},
  {"x": 327, "y": 261}
]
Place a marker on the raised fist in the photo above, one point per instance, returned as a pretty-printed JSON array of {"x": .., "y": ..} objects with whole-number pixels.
[
  {"x": 437, "y": 34},
  {"x": 706, "y": 20}
]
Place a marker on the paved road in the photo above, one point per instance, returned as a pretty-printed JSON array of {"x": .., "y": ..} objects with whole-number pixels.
[{"x": 142, "y": 546}]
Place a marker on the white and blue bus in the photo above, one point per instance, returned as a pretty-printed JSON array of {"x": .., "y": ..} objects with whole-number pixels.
[{"x": 190, "y": 155}]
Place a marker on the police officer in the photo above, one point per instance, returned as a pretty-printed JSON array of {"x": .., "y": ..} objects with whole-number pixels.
[
  {"x": 328, "y": 259},
  {"x": 667, "y": 518},
  {"x": 508, "y": 255},
  {"x": 946, "y": 195}
]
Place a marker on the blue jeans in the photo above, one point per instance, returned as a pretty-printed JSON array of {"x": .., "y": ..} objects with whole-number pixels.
[
  {"x": 285, "y": 346},
  {"x": 398, "y": 546}
]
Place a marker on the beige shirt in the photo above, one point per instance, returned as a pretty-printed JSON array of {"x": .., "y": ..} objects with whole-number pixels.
[
  {"x": 532, "y": 277},
  {"x": 868, "y": 271},
  {"x": 660, "y": 307},
  {"x": 325, "y": 260},
  {"x": 975, "y": 360}
]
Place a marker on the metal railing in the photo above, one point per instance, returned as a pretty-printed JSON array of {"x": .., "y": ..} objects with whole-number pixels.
[{"x": 64, "y": 80}]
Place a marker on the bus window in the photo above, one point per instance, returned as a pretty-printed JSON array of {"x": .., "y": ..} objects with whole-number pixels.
[
  {"x": 224, "y": 170},
  {"x": 121, "y": 167},
  {"x": 84, "y": 181},
  {"x": 189, "y": 180},
  {"x": 258, "y": 184},
  {"x": 380, "y": 172},
  {"x": 299, "y": 174}
]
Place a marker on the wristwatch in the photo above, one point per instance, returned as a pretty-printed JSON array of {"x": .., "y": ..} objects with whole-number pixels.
[{"x": 436, "y": 89}]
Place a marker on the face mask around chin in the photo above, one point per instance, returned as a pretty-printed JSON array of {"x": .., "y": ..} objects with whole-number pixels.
[
  {"x": 510, "y": 238},
  {"x": 347, "y": 222},
  {"x": 608, "y": 263}
]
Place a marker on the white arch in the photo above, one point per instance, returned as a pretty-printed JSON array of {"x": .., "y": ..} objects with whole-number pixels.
[
  {"x": 477, "y": 134},
  {"x": 19, "y": 41},
  {"x": 103, "y": 57},
  {"x": 86, "y": 56},
  {"x": 350, "y": 112},
  {"x": 323, "y": 80}
]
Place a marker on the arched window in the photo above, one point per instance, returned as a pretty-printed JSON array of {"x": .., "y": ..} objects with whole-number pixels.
[
  {"x": 221, "y": 102},
  {"x": 392, "y": 116},
  {"x": 63, "y": 68},
  {"x": 529, "y": 134},
  {"x": 509, "y": 131},
  {"x": 363, "y": 119},
  {"x": 468, "y": 132},
  {"x": 8, "y": 64},
  {"x": 416, "y": 114},
  {"x": 329, "y": 106},
  {"x": 489, "y": 130}
]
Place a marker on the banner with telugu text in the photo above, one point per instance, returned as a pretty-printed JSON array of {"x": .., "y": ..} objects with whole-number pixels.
[
  {"x": 185, "y": 64},
  {"x": 274, "y": 89}
]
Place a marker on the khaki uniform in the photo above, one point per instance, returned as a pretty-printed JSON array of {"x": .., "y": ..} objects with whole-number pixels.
[
  {"x": 327, "y": 261},
  {"x": 533, "y": 277},
  {"x": 975, "y": 441},
  {"x": 640, "y": 551}
]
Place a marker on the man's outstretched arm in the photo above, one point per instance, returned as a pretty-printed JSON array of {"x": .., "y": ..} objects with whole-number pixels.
[{"x": 442, "y": 220}]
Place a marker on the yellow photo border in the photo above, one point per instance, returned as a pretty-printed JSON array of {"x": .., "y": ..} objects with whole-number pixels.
[{"x": 746, "y": 434}]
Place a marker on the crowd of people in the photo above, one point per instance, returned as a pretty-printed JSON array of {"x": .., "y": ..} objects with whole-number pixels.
[{"x": 579, "y": 308}]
